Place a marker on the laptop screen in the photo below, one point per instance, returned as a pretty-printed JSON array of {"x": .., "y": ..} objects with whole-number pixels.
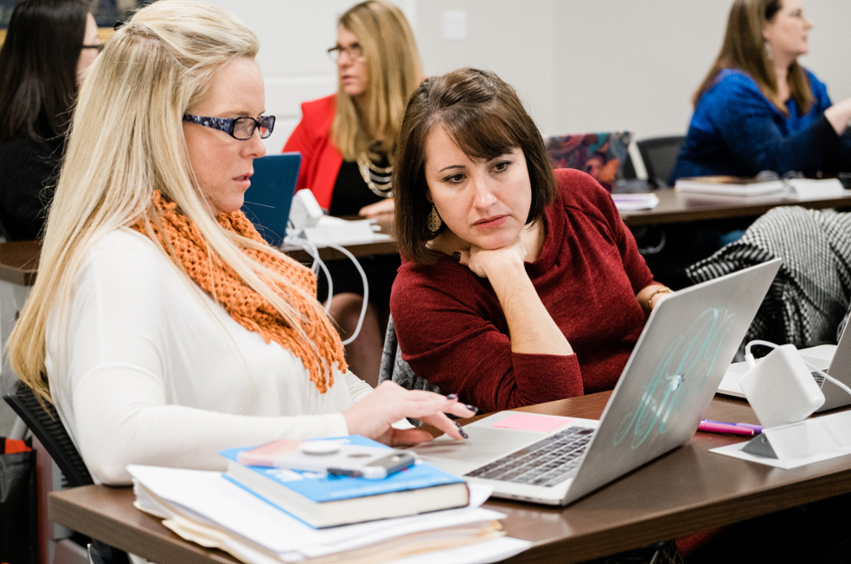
[
  {"x": 599, "y": 154},
  {"x": 268, "y": 200}
]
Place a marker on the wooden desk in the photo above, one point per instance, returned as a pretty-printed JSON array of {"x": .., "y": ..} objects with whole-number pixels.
[
  {"x": 366, "y": 249},
  {"x": 362, "y": 250},
  {"x": 677, "y": 207},
  {"x": 19, "y": 262},
  {"x": 686, "y": 491}
]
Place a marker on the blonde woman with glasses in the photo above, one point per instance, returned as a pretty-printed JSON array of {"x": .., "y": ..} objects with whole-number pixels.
[
  {"x": 161, "y": 325},
  {"x": 347, "y": 142}
]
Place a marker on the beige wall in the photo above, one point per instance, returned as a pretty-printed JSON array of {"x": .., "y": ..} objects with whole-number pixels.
[{"x": 580, "y": 65}]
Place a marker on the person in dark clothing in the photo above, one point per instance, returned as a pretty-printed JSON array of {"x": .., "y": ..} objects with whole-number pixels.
[{"x": 49, "y": 46}]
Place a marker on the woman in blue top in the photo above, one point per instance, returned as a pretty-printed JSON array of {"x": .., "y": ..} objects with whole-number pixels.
[{"x": 758, "y": 109}]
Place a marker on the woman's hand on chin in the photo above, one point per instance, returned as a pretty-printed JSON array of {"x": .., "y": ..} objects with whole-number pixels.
[
  {"x": 487, "y": 263},
  {"x": 373, "y": 416}
]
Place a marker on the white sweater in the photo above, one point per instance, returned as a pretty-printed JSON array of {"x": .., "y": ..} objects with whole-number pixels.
[{"x": 145, "y": 368}]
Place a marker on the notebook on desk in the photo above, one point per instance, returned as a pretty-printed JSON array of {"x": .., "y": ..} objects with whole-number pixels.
[
  {"x": 835, "y": 360},
  {"x": 664, "y": 390},
  {"x": 268, "y": 200}
]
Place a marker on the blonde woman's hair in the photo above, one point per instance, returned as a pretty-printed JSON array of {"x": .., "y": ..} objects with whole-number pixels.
[
  {"x": 393, "y": 72},
  {"x": 744, "y": 49},
  {"x": 126, "y": 141}
]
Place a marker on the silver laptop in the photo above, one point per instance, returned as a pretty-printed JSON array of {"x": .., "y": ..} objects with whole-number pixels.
[
  {"x": 664, "y": 390},
  {"x": 833, "y": 359}
]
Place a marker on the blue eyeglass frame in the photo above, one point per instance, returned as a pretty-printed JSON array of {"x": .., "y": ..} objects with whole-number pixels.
[{"x": 228, "y": 125}]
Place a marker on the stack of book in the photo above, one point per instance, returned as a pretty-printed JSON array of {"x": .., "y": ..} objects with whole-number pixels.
[
  {"x": 219, "y": 511},
  {"x": 730, "y": 185},
  {"x": 801, "y": 188},
  {"x": 323, "y": 500}
]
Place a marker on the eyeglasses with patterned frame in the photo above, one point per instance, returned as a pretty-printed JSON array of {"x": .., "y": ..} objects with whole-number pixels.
[{"x": 241, "y": 128}]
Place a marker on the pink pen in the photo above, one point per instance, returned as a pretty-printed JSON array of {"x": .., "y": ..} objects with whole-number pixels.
[
  {"x": 723, "y": 428},
  {"x": 757, "y": 428}
]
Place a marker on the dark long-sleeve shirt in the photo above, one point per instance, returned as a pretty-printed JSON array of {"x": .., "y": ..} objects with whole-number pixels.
[{"x": 28, "y": 172}]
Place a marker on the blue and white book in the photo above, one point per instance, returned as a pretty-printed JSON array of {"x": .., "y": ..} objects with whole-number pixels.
[{"x": 322, "y": 500}]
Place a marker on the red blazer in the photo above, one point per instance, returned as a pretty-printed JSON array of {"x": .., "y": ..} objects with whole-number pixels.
[{"x": 320, "y": 161}]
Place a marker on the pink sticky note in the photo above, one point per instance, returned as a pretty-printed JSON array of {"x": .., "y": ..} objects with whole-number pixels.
[{"x": 532, "y": 422}]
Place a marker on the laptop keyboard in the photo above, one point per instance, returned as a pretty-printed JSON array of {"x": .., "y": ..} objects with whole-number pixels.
[{"x": 546, "y": 463}]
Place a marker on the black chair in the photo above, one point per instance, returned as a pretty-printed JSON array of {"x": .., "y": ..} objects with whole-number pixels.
[
  {"x": 660, "y": 155},
  {"x": 395, "y": 369},
  {"x": 45, "y": 424},
  {"x": 628, "y": 169}
]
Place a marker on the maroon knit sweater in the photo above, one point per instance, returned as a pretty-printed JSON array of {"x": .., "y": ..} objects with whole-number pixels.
[{"x": 452, "y": 330}]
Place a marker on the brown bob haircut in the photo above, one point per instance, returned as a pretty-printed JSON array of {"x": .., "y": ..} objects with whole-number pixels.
[{"x": 483, "y": 116}]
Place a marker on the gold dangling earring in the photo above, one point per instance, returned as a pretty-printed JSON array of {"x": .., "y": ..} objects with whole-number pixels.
[{"x": 433, "y": 221}]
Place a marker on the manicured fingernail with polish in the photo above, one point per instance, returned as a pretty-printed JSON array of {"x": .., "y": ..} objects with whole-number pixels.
[
  {"x": 452, "y": 396},
  {"x": 461, "y": 430},
  {"x": 472, "y": 408},
  {"x": 456, "y": 256}
]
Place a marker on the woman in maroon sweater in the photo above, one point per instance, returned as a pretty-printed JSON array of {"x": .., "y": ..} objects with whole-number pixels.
[{"x": 518, "y": 285}]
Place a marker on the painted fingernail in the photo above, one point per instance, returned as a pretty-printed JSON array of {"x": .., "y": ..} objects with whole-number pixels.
[
  {"x": 456, "y": 256},
  {"x": 452, "y": 396},
  {"x": 472, "y": 408},
  {"x": 461, "y": 430}
]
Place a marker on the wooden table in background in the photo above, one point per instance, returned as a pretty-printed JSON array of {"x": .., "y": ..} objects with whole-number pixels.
[
  {"x": 677, "y": 207},
  {"x": 19, "y": 262},
  {"x": 685, "y": 491},
  {"x": 326, "y": 253}
]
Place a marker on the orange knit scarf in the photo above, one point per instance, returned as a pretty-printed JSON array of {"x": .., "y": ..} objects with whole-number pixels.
[{"x": 243, "y": 304}]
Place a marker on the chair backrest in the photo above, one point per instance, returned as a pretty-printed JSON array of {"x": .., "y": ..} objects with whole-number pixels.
[
  {"x": 395, "y": 369},
  {"x": 45, "y": 424},
  {"x": 660, "y": 155},
  {"x": 628, "y": 169}
]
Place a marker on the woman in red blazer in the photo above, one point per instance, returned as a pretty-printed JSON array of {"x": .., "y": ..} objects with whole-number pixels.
[{"x": 347, "y": 142}]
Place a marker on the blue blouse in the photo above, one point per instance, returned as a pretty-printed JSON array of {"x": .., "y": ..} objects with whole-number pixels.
[{"x": 735, "y": 130}]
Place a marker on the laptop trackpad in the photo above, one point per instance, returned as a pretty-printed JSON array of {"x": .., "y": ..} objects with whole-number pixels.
[{"x": 484, "y": 445}]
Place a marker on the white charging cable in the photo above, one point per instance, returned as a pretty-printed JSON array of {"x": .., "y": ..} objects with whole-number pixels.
[
  {"x": 313, "y": 251},
  {"x": 752, "y": 362},
  {"x": 365, "y": 291},
  {"x": 317, "y": 264}
]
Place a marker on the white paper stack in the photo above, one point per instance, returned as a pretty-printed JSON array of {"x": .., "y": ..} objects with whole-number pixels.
[
  {"x": 335, "y": 231},
  {"x": 631, "y": 202},
  {"x": 810, "y": 188},
  {"x": 205, "y": 508}
]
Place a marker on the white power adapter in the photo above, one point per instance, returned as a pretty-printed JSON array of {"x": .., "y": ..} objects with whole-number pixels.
[
  {"x": 780, "y": 388},
  {"x": 305, "y": 211}
]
